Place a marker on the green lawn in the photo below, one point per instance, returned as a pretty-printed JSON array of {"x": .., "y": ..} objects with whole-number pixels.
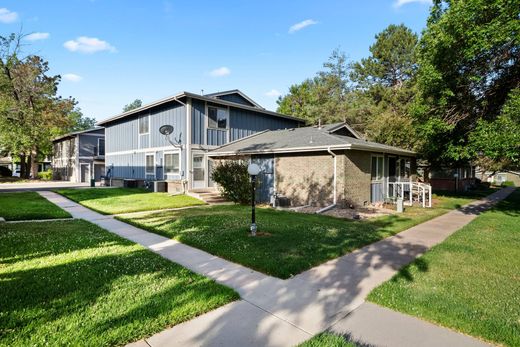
[
  {"x": 70, "y": 283},
  {"x": 289, "y": 242},
  {"x": 327, "y": 340},
  {"x": 470, "y": 282},
  {"x": 125, "y": 200},
  {"x": 27, "y": 206}
]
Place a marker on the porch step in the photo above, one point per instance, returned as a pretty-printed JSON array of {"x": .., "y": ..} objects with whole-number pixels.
[{"x": 209, "y": 196}]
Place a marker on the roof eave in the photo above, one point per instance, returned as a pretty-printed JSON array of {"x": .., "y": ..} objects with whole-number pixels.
[{"x": 315, "y": 149}]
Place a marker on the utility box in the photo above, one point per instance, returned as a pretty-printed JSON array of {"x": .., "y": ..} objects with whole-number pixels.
[
  {"x": 400, "y": 205},
  {"x": 160, "y": 187}
]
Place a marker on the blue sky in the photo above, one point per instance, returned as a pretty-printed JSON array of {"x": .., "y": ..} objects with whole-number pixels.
[{"x": 112, "y": 52}]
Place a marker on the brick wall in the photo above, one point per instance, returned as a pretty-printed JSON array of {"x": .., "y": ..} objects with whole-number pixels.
[
  {"x": 356, "y": 177},
  {"x": 305, "y": 178}
]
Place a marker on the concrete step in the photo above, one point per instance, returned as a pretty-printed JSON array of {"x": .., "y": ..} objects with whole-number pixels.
[{"x": 209, "y": 196}]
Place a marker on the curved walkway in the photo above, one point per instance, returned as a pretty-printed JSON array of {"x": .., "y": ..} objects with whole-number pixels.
[{"x": 276, "y": 312}]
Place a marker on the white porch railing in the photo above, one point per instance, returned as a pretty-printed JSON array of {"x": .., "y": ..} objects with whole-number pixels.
[{"x": 410, "y": 191}]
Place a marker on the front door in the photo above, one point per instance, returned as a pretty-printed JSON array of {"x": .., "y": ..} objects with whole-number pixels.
[
  {"x": 198, "y": 171},
  {"x": 392, "y": 176},
  {"x": 84, "y": 172}
]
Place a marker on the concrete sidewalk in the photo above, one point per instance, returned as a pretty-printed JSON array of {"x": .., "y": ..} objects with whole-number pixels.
[
  {"x": 275, "y": 312},
  {"x": 39, "y": 185}
]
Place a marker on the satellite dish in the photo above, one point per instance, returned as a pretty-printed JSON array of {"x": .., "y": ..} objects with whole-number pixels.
[{"x": 166, "y": 129}]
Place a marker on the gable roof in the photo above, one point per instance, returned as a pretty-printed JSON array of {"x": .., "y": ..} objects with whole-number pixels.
[
  {"x": 337, "y": 127},
  {"x": 72, "y": 134},
  {"x": 306, "y": 139},
  {"x": 218, "y": 95},
  {"x": 178, "y": 96}
]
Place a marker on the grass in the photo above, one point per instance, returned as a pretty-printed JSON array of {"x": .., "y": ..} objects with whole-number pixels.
[
  {"x": 327, "y": 339},
  {"x": 73, "y": 283},
  {"x": 470, "y": 282},
  {"x": 288, "y": 242},
  {"x": 27, "y": 206},
  {"x": 125, "y": 200}
]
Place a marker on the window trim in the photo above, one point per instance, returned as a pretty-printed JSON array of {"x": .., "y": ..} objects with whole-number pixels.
[
  {"x": 104, "y": 149},
  {"x": 377, "y": 166},
  {"x": 146, "y": 166},
  {"x": 166, "y": 174}
]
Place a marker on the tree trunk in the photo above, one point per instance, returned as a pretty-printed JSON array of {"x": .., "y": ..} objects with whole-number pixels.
[
  {"x": 34, "y": 163},
  {"x": 22, "y": 165},
  {"x": 27, "y": 167}
]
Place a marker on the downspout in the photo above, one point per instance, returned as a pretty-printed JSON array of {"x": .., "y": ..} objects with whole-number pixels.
[{"x": 334, "y": 198}]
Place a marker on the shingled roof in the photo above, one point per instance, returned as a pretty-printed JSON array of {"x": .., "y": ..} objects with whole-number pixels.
[{"x": 306, "y": 139}]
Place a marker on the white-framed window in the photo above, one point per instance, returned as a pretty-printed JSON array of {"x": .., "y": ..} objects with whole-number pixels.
[
  {"x": 100, "y": 146},
  {"x": 150, "y": 164},
  {"x": 377, "y": 168},
  {"x": 144, "y": 125},
  {"x": 218, "y": 118},
  {"x": 171, "y": 163}
]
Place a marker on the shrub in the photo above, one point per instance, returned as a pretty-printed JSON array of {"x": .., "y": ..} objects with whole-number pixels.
[
  {"x": 5, "y": 172},
  {"x": 45, "y": 175},
  {"x": 233, "y": 179},
  {"x": 508, "y": 184}
]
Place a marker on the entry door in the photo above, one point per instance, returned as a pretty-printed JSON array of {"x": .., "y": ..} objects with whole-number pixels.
[
  {"x": 198, "y": 171},
  {"x": 84, "y": 172},
  {"x": 266, "y": 177},
  {"x": 392, "y": 175}
]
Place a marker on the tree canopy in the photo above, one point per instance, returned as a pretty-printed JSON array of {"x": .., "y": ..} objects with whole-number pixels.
[
  {"x": 31, "y": 111},
  {"x": 450, "y": 94},
  {"x": 468, "y": 65},
  {"x": 133, "y": 105}
]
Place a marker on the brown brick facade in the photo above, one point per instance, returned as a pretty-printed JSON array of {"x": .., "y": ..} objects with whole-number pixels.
[
  {"x": 305, "y": 178},
  {"x": 357, "y": 177}
]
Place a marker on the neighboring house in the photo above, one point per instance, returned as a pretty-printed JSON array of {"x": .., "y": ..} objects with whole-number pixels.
[
  {"x": 323, "y": 166},
  {"x": 79, "y": 156},
  {"x": 499, "y": 178},
  {"x": 14, "y": 166},
  {"x": 461, "y": 178},
  {"x": 135, "y": 149}
]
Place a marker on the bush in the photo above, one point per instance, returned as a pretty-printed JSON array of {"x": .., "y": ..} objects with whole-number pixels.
[
  {"x": 5, "y": 172},
  {"x": 508, "y": 184},
  {"x": 233, "y": 179},
  {"x": 45, "y": 175}
]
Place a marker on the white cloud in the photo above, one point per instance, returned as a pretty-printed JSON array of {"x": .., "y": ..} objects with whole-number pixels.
[
  {"x": 37, "y": 36},
  {"x": 220, "y": 72},
  {"x": 7, "y": 16},
  {"x": 72, "y": 77},
  {"x": 84, "y": 44},
  {"x": 399, "y": 3},
  {"x": 303, "y": 24},
  {"x": 273, "y": 93}
]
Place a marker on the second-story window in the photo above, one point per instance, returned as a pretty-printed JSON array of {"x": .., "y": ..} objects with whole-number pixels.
[
  {"x": 101, "y": 147},
  {"x": 217, "y": 117},
  {"x": 144, "y": 125}
]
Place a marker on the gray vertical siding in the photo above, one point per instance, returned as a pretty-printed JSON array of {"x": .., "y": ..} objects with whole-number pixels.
[
  {"x": 122, "y": 136},
  {"x": 236, "y": 98},
  {"x": 198, "y": 115},
  {"x": 217, "y": 137},
  {"x": 244, "y": 123}
]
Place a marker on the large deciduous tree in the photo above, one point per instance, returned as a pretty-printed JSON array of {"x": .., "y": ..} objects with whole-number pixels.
[
  {"x": 469, "y": 60},
  {"x": 31, "y": 112}
]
